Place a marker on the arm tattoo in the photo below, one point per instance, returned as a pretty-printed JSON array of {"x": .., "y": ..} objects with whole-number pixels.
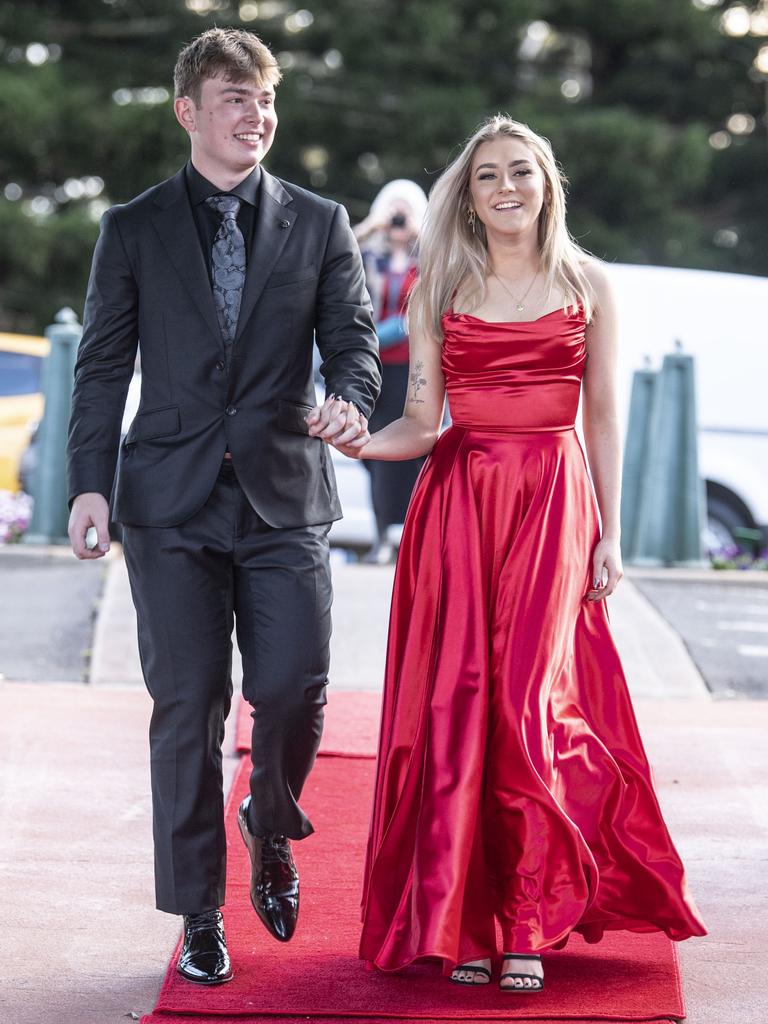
[{"x": 417, "y": 383}]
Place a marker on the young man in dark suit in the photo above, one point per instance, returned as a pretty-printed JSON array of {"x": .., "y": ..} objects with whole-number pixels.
[{"x": 223, "y": 275}]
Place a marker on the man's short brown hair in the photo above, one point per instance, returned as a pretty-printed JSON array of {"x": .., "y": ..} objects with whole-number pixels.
[{"x": 233, "y": 54}]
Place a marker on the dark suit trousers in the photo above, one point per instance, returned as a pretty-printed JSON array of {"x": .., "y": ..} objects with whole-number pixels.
[{"x": 190, "y": 583}]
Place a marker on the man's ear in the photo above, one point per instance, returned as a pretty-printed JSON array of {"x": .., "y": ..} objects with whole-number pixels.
[{"x": 185, "y": 110}]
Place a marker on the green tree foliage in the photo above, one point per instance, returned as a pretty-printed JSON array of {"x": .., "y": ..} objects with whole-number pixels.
[{"x": 630, "y": 93}]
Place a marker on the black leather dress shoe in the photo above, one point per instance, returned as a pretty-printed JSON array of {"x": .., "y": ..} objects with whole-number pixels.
[
  {"x": 204, "y": 958},
  {"x": 274, "y": 879}
]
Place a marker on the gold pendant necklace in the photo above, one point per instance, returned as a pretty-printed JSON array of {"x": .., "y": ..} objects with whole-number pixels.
[{"x": 519, "y": 305}]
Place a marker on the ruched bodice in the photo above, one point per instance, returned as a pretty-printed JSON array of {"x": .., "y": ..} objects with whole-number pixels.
[{"x": 514, "y": 376}]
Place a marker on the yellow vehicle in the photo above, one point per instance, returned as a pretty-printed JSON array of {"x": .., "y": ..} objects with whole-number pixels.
[{"x": 21, "y": 400}]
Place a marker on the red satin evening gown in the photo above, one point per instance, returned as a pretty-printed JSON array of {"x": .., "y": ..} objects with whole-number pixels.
[{"x": 512, "y": 782}]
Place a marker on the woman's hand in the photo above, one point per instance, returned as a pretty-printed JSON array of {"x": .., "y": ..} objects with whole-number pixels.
[
  {"x": 336, "y": 420},
  {"x": 606, "y": 569},
  {"x": 355, "y": 449},
  {"x": 339, "y": 423}
]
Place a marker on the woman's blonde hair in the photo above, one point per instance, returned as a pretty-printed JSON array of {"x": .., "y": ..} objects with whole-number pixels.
[{"x": 453, "y": 254}]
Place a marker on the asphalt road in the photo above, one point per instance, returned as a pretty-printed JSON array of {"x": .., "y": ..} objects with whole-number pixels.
[
  {"x": 47, "y": 606},
  {"x": 725, "y": 628}
]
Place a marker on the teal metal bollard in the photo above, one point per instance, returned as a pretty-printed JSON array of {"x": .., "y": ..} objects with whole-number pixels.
[
  {"x": 671, "y": 500},
  {"x": 636, "y": 449},
  {"x": 50, "y": 514}
]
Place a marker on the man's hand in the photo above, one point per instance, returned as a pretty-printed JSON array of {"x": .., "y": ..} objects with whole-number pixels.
[
  {"x": 89, "y": 509},
  {"x": 336, "y": 421}
]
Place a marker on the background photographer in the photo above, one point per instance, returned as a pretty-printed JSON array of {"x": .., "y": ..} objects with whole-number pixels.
[{"x": 388, "y": 240}]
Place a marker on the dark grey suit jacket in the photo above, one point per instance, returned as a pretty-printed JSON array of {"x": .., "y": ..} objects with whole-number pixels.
[{"x": 149, "y": 286}]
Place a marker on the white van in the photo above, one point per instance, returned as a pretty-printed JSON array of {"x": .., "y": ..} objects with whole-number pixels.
[{"x": 722, "y": 320}]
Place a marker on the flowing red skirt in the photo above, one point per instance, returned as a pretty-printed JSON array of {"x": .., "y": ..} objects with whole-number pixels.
[{"x": 512, "y": 783}]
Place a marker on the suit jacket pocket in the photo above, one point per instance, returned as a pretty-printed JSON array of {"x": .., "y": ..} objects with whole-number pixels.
[
  {"x": 290, "y": 416},
  {"x": 328, "y": 474},
  {"x": 154, "y": 423}
]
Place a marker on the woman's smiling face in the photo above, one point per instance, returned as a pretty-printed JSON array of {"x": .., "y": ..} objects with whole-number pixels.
[{"x": 506, "y": 186}]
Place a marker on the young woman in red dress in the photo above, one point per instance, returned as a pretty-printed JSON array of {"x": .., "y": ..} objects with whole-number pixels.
[{"x": 512, "y": 782}]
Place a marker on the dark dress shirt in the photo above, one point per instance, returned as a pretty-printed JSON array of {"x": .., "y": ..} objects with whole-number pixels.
[{"x": 208, "y": 221}]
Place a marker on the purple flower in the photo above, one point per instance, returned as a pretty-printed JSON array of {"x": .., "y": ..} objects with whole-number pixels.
[{"x": 15, "y": 515}]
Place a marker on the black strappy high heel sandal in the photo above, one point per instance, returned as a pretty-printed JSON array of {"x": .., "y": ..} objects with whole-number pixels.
[
  {"x": 484, "y": 971},
  {"x": 537, "y": 983}
]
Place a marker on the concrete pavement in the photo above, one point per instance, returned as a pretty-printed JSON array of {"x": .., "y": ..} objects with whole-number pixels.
[
  {"x": 81, "y": 942},
  {"x": 655, "y": 658},
  {"x": 48, "y": 602}
]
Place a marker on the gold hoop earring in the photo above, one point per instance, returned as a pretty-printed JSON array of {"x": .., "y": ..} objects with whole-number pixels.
[{"x": 471, "y": 218}]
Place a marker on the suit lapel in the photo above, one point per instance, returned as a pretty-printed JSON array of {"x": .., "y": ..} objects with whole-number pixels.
[
  {"x": 273, "y": 226},
  {"x": 176, "y": 227}
]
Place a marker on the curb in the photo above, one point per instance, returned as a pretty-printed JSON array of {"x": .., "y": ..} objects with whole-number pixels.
[{"x": 746, "y": 577}]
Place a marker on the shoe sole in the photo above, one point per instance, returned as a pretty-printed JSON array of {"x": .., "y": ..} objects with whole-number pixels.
[
  {"x": 521, "y": 991},
  {"x": 206, "y": 984},
  {"x": 529, "y": 991}
]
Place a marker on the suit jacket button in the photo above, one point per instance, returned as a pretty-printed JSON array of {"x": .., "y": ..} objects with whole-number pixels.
[
  {"x": 230, "y": 410},
  {"x": 219, "y": 365}
]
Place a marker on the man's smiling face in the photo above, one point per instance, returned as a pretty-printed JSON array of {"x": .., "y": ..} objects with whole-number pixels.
[{"x": 234, "y": 125}]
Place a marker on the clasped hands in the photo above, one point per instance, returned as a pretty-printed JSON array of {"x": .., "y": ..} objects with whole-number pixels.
[{"x": 341, "y": 424}]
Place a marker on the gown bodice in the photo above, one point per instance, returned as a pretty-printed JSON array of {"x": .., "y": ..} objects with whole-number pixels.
[{"x": 514, "y": 376}]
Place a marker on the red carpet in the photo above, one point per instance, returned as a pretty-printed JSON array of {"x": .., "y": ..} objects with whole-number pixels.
[
  {"x": 351, "y": 725},
  {"x": 193, "y": 1017},
  {"x": 626, "y": 978}
]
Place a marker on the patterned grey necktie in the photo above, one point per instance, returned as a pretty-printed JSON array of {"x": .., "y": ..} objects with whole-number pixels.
[{"x": 227, "y": 268}]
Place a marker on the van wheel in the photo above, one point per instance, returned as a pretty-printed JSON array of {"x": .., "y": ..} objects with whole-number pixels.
[{"x": 723, "y": 518}]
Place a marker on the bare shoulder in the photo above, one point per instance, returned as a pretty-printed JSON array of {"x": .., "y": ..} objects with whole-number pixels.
[
  {"x": 596, "y": 273},
  {"x": 599, "y": 279}
]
